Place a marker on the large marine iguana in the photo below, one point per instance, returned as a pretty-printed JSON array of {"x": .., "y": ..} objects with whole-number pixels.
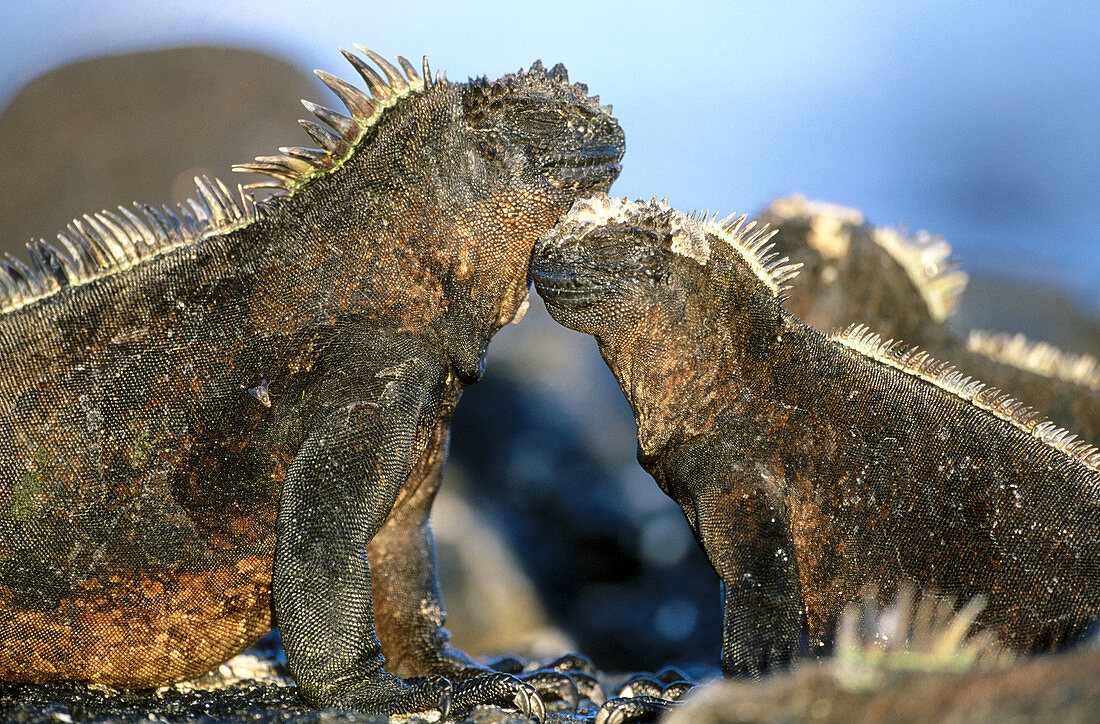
[
  {"x": 240, "y": 407},
  {"x": 810, "y": 466},
  {"x": 904, "y": 287}
]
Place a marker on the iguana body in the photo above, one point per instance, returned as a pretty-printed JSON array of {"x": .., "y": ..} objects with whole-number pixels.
[
  {"x": 810, "y": 466},
  {"x": 205, "y": 420},
  {"x": 904, "y": 288}
]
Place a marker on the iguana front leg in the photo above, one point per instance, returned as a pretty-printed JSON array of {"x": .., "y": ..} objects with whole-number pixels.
[
  {"x": 337, "y": 494},
  {"x": 746, "y": 535},
  {"x": 737, "y": 513},
  {"x": 409, "y": 607}
]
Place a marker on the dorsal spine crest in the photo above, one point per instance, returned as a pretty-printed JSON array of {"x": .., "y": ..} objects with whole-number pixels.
[
  {"x": 751, "y": 241},
  {"x": 918, "y": 363},
  {"x": 925, "y": 259},
  {"x": 107, "y": 242},
  {"x": 748, "y": 239}
]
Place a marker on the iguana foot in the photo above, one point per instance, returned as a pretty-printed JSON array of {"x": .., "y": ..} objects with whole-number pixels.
[
  {"x": 632, "y": 709},
  {"x": 567, "y": 678},
  {"x": 385, "y": 694},
  {"x": 554, "y": 686},
  {"x": 644, "y": 698},
  {"x": 498, "y": 689}
]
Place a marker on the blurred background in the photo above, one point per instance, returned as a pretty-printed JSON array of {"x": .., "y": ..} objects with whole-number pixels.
[{"x": 976, "y": 121}]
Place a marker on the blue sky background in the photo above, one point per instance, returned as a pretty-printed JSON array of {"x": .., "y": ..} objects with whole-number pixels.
[{"x": 978, "y": 121}]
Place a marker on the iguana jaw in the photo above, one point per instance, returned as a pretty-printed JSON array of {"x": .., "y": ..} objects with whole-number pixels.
[
  {"x": 588, "y": 170},
  {"x": 588, "y": 275},
  {"x": 565, "y": 290}
]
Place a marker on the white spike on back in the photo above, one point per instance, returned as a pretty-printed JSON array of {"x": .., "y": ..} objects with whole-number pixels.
[
  {"x": 943, "y": 375},
  {"x": 292, "y": 170},
  {"x": 752, "y": 242},
  {"x": 97, "y": 245}
]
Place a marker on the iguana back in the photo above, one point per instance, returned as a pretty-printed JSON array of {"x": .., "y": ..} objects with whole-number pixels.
[{"x": 904, "y": 287}]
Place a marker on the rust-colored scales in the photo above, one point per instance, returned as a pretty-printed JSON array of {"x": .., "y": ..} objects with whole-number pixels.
[
  {"x": 236, "y": 410},
  {"x": 139, "y": 632}
]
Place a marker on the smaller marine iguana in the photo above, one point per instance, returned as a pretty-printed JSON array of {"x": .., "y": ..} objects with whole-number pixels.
[
  {"x": 211, "y": 414},
  {"x": 904, "y": 287},
  {"x": 810, "y": 466}
]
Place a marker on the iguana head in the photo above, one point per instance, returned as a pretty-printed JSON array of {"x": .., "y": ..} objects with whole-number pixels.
[
  {"x": 853, "y": 271},
  {"x": 537, "y": 123},
  {"x": 667, "y": 296},
  {"x": 612, "y": 262},
  {"x": 417, "y": 210},
  {"x": 541, "y": 142}
]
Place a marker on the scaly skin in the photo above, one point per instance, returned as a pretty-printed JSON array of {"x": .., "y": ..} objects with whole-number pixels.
[
  {"x": 810, "y": 466},
  {"x": 849, "y": 278},
  {"x": 256, "y": 422}
]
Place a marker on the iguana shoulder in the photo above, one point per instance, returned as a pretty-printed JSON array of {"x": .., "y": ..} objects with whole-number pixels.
[
  {"x": 211, "y": 409},
  {"x": 809, "y": 466}
]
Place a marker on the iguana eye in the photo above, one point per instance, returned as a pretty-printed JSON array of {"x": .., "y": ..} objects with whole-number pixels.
[{"x": 541, "y": 120}]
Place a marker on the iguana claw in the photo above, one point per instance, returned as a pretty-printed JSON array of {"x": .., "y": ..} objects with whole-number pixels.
[
  {"x": 555, "y": 685},
  {"x": 530, "y": 704},
  {"x": 500, "y": 690},
  {"x": 632, "y": 709},
  {"x": 589, "y": 687}
]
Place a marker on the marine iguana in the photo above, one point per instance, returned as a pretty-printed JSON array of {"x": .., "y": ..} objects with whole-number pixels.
[
  {"x": 236, "y": 409},
  {"x": 904, "y": 287},
  {"x": 810, "y": 466}
]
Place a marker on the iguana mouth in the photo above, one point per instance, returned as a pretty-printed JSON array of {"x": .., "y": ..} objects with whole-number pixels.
[
  {"x": 602, "y": 156},
  {"x": 584, "y": 172},
  {"x": 567, "y": 289}
]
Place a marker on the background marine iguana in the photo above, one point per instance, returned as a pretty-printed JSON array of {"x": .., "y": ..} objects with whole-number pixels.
[
  {"x": 208, "y": 412},
  {"x": 810, "y": 466},
  {"x": 905, "y": 287}
]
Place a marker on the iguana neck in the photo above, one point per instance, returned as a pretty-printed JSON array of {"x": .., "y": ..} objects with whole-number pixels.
[
  {"x": 679, "y": 375},
  {"x": 425, "y": 256}
]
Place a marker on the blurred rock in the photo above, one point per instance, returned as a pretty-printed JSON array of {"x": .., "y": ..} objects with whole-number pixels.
[
  {"x": 1042, "y": 312},
  {"x": 1050, "y": 688},
  {"x": 497, "y": 609},
  {"x": 139, "y": 127}
]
